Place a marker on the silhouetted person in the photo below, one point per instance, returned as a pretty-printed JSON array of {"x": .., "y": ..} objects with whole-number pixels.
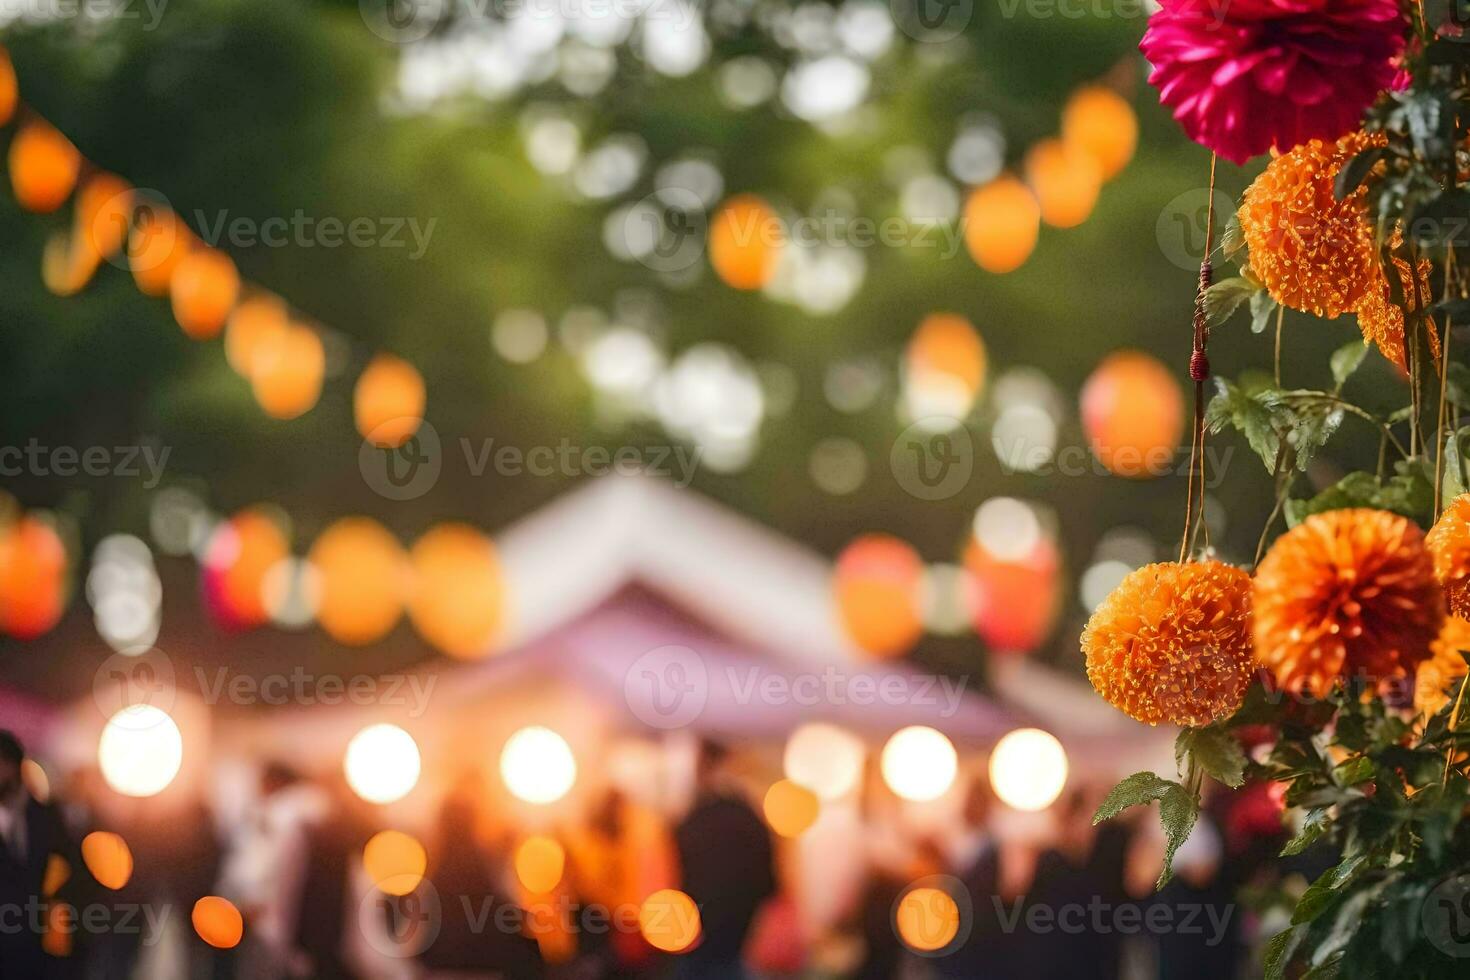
[
  {"x": 333, "y": 845},
  {"x": 726, "y": 859},
  {"x": 30, "y": 833}
]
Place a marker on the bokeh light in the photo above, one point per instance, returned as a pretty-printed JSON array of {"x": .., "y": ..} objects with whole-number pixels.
[
  {"x": 218, "y": 922},
  {"x": 257, "y": 322},
  {"x": 240, "y": 553},
  {"x": 669, "y": 921},
  {"x": 1028, "y": 769},
  {"x": 203, "y": 289},
  {"x": 287, "y": 370},
  {"x": 43, "y": 166},
  {"x": 537, "y": 765},
  {"x": 1066, "y": 180},
  {"x": 1099, "y": 121},
  {"x": 395, "y": 862},
  {"x": 944, "y": 368},
  {"x": 382, "y": 763},
  {"x": 388, "y": 401},
  {"x": 825, "y": 759},
  {"x": 362, "y": 575},
  {"x": 919, "y": 763},
  {"x": 790, "y": 808},
  {"x": 540, "y": 863},
  {"x": 745, "y": 241},
  {"x": 140, "y": 751},
  {"x": 1133, "y": 413},
  {"x": 458, "y": 590},
  {"x": 1002, "y": 223},
  {"x": 876, "y": 581},
  {"x": 927, "y": 919},
  {"x": 33, "y": 573}
]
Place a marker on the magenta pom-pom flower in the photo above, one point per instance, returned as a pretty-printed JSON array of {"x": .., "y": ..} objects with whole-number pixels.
[{"x": 1243, "y": 76}]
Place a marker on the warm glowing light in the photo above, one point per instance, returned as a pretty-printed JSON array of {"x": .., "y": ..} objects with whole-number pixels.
[
  {"x": 108, "y": 858},
  {"x": 1002, "y": 223},
  {"x": 1028, "y": 769},
  {"x": 388, "y": 402},
  {"x": 1066, "y": 180},
  {"x": 745, "y": 239},
  {"x": 158, "y": 243},
  {"x": 1102, "y": 123},
  {"x": 540, "y": 862},
  {"x": 43, "y": 166},
  {"x": 1133, "y": 413},
  {"x": 382, "y": 763},
  {"x": 104, "y": 213},
  {"x": 67, "y": 265},
  {"x": 9, "y": 88},
  {"x": 203, "y": 289},
  {"x": 825, "y": 759},
  {"x": 877, "y": 583},
  {"x": 32, "y": 578},
  {"x": 790, "y": 808},
  {"x": 258, "y": 321},
  {"x": 1014, "y": 597},
  {"x": 946, "y": 353},
  {"x": 395, "y": 862},
  {"x": 920, "y": 763},
  {"x": 362, "y": 575},
  {"x": 218, "y": 922},
  {"x": 287, "y": 370},
  {"x": 537, "y": 765},
  {"x": 240, "y": 554},
  {"x": 457, "y": 590},
  {"x": 927, "y": 919},
  {"x": 669, "y": 921},
  {"x": 140, "y": 751}
]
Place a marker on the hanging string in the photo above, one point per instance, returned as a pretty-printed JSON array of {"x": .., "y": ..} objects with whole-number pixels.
[{"x": 1199, "y": 373}]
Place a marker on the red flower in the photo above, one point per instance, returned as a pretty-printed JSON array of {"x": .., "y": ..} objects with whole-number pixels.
[{"x": 1243, "y": 76}]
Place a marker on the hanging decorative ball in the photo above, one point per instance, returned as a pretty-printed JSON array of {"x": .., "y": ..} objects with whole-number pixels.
[
  {"x": 388, "y": 401},
  {"x": 287, "y": 370},
  {"x": 203, "y": 289},
  {"x": 239, "y": 555},
  {"x": 1346, "y": 594},
  {"x": 1133, "y": 414},
  {"x": 363, "y": 576},
  {"x": 43, "y": 167},
  {"x": 1101, "y": 123},
  {"x": 1172, "y": 643},
  {"x": 458, "y": 593},
  {"x": 9, "y": 88},
  {"x": 1002, "y": 222},
  {"x": 158, "y": 243},
  {"x": 1449, "y": 544},
  {"x": 258, "y": 321},
  {"x": 745, "y": 241},
  {"x": 1066, "y": 180},
  {"x": 877, "y": 582},
  {"x": 32, "y": 578},
  {"x": 104, "y": 213}
]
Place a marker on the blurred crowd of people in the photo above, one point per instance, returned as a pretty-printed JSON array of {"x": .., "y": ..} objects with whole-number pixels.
[{"x": 1070, "y": 901}]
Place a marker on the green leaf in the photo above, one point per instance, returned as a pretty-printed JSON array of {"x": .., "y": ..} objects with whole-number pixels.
[
  {"x": 1232, "y": 240},
  {"x": 1328, "y": 969},
  {"x": 1325, "y": 890},
  {"x": 1346, "y": 359},
  {"x": 1452, "y": 486},
  {"x": 1225, "y": 297},
  {"x": 1137, "y": 789},
  {"x": 1215, "y": 751},
  {"x": 1280, "y": 950},
  {"x": 1262, "y": 306},
  {"x": 1178, "y": 811},
  {"x": 1356, "y": 170},
  {"x": 1409, "y": 492},
  {"x": 1253, "y": 413},
  {"x": 1314, "y": 827},
  {"x": 1354, "y": 771}
]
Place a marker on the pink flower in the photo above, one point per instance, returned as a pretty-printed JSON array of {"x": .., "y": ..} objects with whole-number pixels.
[{"x": 1243, "y": 76}]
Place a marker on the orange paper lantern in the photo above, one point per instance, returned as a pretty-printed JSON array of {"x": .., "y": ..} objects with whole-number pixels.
[
  {"x": 745, "y": 239},
  {"x": 1014, "y": 602},
  {"x": 203, "y": 289},
  {"x": 877, "y": 582},
  {"x": 1133, "y": 413},
  {"x": 240, "y": 553},
  {"x": 158, "y": 243},
  {"x": 1066, "y": 180},
  {"x": 1101, "y": 123},
  {"x": 1002, "y": 222},
  {"x": 104, "y": 213},
  {"x": 218, "y": 922},
  {"x": 256, "y": 322},
  {"x": 9, "y": 88},
  {"x": 43, "y": 167},
  {"x": 286, "y": 372},
  {"x": 388, "y": 402},
  {"x": 32, "y": 578},
  {"x": 362, "y": 572},
  {"x": 457, "y": 590}
]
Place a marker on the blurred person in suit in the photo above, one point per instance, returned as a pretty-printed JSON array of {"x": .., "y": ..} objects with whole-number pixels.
[{"x": 31, "y": 836}]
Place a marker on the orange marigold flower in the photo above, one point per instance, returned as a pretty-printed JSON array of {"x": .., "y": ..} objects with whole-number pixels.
[
  {"x": 1172, "y": 643},
  {"x": 1449, "y": 544},
  {"x": 1311, "y": 251},
  {"x": 1346, "y": 592},
  {"x": 1382, "y": 320},
  {"x": 1445, "y": 666}
]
